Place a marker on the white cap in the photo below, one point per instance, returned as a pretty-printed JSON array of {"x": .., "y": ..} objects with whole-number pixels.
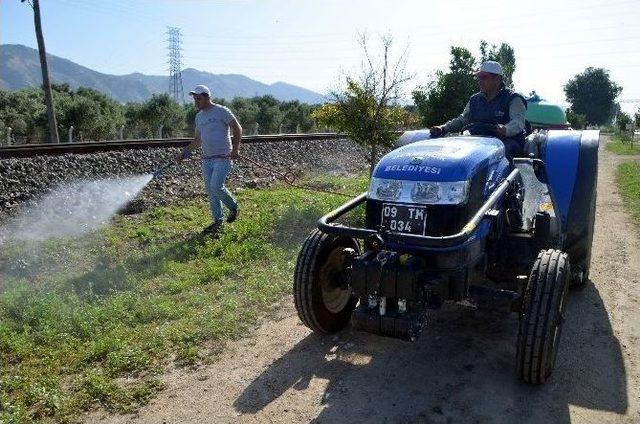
[
  {"x": 200, "y": 89},
  {"x": 490, "y": 67}
]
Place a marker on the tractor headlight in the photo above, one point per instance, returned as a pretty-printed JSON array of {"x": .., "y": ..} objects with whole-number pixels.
[
  {"x": 427, "y": 192},
  {"x": 455, "y": 192},
  {"x": 386, "y": 189},
  {"x": 423, "y": 192}
]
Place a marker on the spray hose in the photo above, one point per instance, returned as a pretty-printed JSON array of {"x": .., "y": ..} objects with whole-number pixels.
[
  {"x": 158, "y": 172},
  {"x": 288, "y": 177}
]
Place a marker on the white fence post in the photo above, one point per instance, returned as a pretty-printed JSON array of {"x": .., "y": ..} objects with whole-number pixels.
[
  {"x": 9, "y": 140},
  {"x": 121, "y": 132},
  {"x": 71, "y": 134},
  {"x": 160, "y": 128}
]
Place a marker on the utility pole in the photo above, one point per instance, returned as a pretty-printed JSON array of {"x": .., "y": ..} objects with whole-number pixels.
[
  {"x": 175, "y": 63},
  {"x": 46, "y": 84}
]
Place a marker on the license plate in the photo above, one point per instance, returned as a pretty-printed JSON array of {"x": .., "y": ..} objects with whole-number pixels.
[{"x": 400, "y": 218}]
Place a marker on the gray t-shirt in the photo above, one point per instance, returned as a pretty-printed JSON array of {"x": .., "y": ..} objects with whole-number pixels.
[{"x": 213, "y": 126}]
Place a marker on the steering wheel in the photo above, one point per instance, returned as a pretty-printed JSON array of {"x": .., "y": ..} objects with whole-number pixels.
[{"x": 480, "y": 128}]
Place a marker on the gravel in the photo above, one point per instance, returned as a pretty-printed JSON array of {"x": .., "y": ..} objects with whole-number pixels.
[{"x": 25, "y": 179}]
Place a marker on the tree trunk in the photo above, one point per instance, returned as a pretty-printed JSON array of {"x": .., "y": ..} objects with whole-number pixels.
[
  {"x": 46, "y": 84},
  {"x": 373, "y": 155}
]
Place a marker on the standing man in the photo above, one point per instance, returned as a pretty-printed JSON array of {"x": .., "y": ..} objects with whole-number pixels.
[
  {"x": 499, "y": 108},
  {"x": 212, "y": 127}
]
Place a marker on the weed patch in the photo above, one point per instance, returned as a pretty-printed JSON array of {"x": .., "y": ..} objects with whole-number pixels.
[{"x": 97, "y": 325}]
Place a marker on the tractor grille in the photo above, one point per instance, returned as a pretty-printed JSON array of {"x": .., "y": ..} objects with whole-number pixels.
[{"x": 442, "y": 220}]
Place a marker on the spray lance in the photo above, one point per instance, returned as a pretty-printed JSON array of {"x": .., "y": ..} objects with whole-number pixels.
[{"x": 158, "y": 172}]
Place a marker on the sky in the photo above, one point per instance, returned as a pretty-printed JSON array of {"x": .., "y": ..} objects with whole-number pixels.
[{"x": 314, "y": 43}]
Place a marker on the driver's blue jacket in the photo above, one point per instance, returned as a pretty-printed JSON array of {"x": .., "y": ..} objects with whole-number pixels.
[{"x": 506, "y": 108}]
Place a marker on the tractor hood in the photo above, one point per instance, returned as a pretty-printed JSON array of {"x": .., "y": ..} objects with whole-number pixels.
[{"x": 441, "y": 159}]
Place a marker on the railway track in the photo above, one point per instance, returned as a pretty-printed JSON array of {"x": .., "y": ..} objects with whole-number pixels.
[{"x": 31, "y": 150}]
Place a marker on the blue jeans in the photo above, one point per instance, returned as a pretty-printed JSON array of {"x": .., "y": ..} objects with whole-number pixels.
[{"x": 214, "y": 173}]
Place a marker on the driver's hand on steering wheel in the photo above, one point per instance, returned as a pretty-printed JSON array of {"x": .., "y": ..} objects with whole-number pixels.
[
  {"x": 501, "y": 130},
  {"x": 436, "y": 131}
]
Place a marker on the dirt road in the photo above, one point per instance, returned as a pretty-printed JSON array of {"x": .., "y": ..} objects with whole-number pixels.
[{"x": 461, "y": 369}]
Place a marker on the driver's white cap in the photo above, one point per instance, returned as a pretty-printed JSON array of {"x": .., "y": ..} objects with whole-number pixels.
[
  {"x": 200, "y": 89},
  {"x": 490, "y": 67}
]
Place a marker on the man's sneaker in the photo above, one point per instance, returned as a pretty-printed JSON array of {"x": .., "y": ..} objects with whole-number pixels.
[
  {"x": 213, "y": 228},
  {"x": 233, "y": 215}
]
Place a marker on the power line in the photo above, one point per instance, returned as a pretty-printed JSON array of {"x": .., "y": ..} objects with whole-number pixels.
[
  {"x": 301, "y": 45},
  {"x": 126, "y": 10}
]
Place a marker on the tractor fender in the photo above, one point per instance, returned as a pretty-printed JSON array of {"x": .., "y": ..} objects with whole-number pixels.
[{"x": 571, "y": 159}]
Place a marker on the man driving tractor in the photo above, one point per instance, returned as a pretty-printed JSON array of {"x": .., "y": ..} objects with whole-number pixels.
[{"x": 497, "y": 109}]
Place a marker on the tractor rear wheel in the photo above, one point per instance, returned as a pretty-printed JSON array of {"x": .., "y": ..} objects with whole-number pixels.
[
  {"x": 323, "y": 299},
  {"x": 541, "y": 316}
]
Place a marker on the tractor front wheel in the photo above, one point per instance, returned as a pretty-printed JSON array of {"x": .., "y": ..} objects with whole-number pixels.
[
  {"x": 541, "y": 316},
  {"x": 323, "y": 299}
]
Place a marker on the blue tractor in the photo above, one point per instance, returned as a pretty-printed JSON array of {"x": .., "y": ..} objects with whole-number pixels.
[{"x": 453, "y": 220}]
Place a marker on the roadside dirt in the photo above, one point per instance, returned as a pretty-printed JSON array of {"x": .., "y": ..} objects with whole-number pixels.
[{"x": 461, "y": 369}]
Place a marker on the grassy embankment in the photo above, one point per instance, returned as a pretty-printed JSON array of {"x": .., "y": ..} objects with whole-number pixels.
[
  {"x": 628, "y": 173},
  {"x": 622, "y": 144},
  {"x": 109, "y": 312},
  {"x": 628, "y": 180}
]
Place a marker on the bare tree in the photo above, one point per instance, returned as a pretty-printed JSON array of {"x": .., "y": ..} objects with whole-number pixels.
[
  {"x": 385, "y": 81},
  {"x": 367, "y": 109},
  {"x": 46, "y": 83}
]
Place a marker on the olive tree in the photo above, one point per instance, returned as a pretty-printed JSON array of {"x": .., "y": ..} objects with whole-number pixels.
[
  {"x": 446, "y": 95},
  {"x": 160, "y": 111},
  {"x": 592, "y": 93},
  {"x": 577, "y": 120},
  {"x": 622, "y": 121},
  {"x": 504, "y": 55},
  {"x": 448, "y": 91}
]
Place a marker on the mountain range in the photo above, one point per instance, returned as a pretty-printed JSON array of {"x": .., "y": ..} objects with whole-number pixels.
[{"x": 20, "y": 68}]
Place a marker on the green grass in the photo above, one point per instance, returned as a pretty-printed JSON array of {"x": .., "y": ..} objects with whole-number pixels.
[
  {"x": 628, "y": 180},
  {"x": 146, "y": 292},
  {"x": 622, "y": 145}
]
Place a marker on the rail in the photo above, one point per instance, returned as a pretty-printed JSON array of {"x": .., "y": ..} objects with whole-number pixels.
[{"x": 30, "y": 150}]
